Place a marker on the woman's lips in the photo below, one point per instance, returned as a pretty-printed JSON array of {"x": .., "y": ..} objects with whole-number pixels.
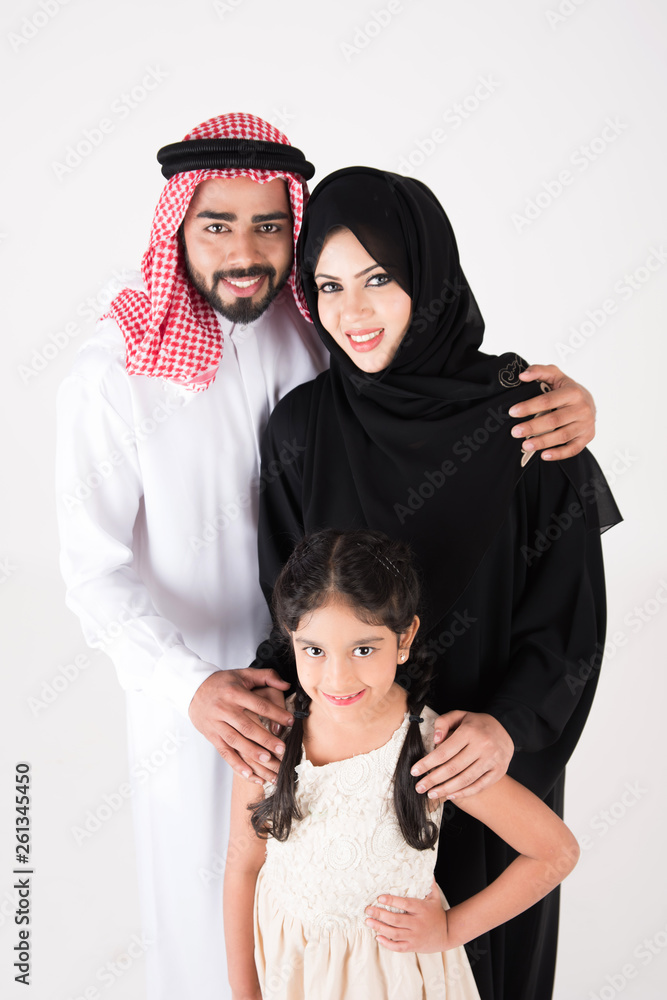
[
  {"x": 344, "y": 701},
  {"x": 240, "y": 287},
  {"x": 367, "y": 344}
]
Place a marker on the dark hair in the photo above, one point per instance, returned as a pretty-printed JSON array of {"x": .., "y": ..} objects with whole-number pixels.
[{"x": 378, "y": 579}]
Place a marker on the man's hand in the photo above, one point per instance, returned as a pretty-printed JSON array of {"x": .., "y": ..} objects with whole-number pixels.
[
  {"x": 474, "y": 753},
  {"x": 219, "y": 710},
  {"x": 422, "y": 927},
  {"x": 569, "y": 425}
]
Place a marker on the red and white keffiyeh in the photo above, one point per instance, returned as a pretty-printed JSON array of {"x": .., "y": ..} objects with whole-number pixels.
[{"x": 172, "y": 332}]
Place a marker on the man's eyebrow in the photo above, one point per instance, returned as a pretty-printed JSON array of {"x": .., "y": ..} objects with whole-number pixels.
[
  {"x": 269, "y": 217},
  {"x": 218, "y": 216}
]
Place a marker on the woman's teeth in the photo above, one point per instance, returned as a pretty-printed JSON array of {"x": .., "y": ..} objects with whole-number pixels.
[{"x": 365, "y": 336}]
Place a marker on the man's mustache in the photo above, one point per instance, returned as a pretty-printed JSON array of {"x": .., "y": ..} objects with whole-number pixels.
[{"x": 250, "y": 272}]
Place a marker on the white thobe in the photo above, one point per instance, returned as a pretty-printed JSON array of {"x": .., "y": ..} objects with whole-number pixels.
[{"x": 157, "y": 491}]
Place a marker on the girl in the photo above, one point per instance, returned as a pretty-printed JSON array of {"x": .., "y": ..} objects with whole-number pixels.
[
  {"x": 410, "y": 432},
  {"x": 345, "y": 906}
]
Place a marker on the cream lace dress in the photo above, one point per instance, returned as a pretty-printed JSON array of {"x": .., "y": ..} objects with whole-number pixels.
[{"x": 311, "y": 941}]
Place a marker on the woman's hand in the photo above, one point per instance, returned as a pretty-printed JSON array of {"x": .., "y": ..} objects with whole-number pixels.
[
  {"x": 421, "y": 927},
  {"x": 474, "y": 753},
  {"x": 570, "y": 423}
]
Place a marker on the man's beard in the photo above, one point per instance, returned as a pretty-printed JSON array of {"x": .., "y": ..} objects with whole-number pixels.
[{"x": 243, "y": 310}]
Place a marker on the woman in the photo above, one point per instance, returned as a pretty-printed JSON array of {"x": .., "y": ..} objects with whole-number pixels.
[{"x": 409, "y": 433}]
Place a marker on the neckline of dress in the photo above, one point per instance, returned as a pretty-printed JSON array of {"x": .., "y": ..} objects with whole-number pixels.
[{"x": 356, "y": 756}]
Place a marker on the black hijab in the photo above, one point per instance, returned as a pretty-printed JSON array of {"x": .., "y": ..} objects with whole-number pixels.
[{"x": 421, "y": 450}]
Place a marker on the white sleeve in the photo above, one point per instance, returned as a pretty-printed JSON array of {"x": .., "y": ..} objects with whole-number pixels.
[{"x": 99, "y": 492}]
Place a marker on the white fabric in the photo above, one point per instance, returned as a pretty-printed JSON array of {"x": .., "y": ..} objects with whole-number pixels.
[
  {"x": 157, "y": 494},
  {"x": 311, "y": 938}
]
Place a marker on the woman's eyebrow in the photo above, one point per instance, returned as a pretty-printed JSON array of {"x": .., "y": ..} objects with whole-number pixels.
[{"x": 334, "y": 277}]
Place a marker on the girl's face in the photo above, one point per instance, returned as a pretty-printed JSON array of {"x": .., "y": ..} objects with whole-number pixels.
[
  {"x": 346, "y": 665},
  {"x": 359, "y": 304}
]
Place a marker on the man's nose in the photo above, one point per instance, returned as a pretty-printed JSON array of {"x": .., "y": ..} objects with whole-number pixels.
[{"x": 241, "y": 250}]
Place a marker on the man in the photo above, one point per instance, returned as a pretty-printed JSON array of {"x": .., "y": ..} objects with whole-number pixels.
[{"x": 165, "y": 408}]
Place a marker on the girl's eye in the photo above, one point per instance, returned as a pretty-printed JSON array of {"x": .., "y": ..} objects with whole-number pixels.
[
  {"x": 364, "y": 650},
  {"x": 377, "y": 280},
  {"x": 314, "y": 651}
]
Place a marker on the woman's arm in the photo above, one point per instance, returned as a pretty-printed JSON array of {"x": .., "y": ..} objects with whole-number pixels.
[
  {"x": 547, "y": 853},
  {"x": 245, "y": 856}
]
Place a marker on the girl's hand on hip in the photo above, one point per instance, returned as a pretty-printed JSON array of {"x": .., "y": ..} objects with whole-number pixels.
[
  {"x": 422, "y": 926},
  {"x": 475, "y": 752}
]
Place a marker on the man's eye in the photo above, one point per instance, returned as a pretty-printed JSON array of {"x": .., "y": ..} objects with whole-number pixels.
[
  {"x": 313, "y": 651},
  {"x": 364, "y": 650},
  {"x": 270, "y": 227},
  {"x": 216, "y": 227}
]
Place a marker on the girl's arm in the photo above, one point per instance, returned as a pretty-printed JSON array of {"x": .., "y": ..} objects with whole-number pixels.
[
  {"x": 245, "y": 856},
  {"x": 547, "y": 853}
]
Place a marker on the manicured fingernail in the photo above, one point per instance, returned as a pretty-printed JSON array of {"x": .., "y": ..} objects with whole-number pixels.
[
  {"x": 382, "y": 899},
  {"x": 528, "y": 446},
  {"x": 546, "y": 455},
  {"x": 420, "y": 788},
  {"x": 246, "y": 774},
  {"x": 437, "y": 737},
  {"x": 514, "y": 411},
  {"x": 518, "y": 431},
  {"x": 433, "y": 794},
  {"x": 290, "y": 721},
  {"x": 416, "y": 771},
  {"x": 280, "y": 750},
  {"x": 265, "y": 757}
]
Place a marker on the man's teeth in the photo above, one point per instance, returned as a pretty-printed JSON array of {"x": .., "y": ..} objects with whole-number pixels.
[
  {"x": 243, "y": 284},
  {"x": 365, "y": 336}
]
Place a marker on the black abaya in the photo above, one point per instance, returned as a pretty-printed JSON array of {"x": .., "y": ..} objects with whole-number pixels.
[{"x": 520, "y": 643}]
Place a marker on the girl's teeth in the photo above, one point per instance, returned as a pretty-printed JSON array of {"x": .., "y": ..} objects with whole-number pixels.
[{"x": 365, "y": 336}]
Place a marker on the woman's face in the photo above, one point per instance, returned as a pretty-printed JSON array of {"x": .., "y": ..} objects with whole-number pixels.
[{"x": 359, "y": 304}]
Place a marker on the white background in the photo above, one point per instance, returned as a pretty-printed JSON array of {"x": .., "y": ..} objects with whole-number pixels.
[{"x": 346, "y": 90}]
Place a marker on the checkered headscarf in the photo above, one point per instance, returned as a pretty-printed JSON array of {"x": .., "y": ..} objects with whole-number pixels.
[{"x": 171, "y": 331}]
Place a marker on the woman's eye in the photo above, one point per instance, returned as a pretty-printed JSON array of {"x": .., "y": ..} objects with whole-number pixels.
[
  {"x": 379, "y": 279},
  {"x": 328, "y": 286},
  {"x": 313, "y": 651},
  {"x": 364, "y": 650}
]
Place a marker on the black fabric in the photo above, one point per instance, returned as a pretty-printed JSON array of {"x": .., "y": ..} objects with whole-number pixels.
[
  {"x": 221, "y": 154},
  {"x": 512, "y": 558}
]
